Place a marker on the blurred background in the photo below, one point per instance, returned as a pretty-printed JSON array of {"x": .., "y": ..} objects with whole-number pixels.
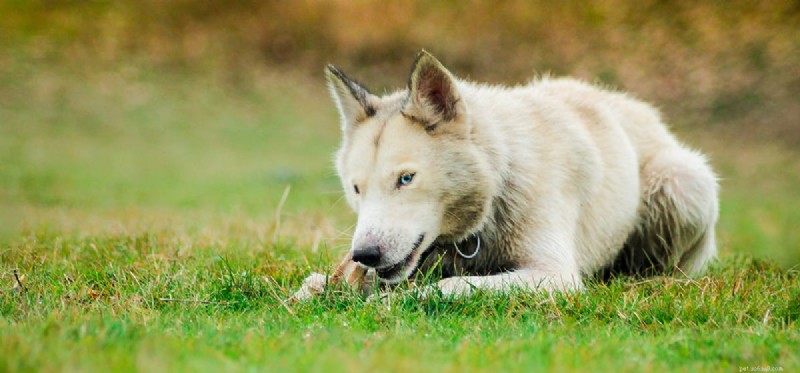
[{"x": 210, "y": 120}]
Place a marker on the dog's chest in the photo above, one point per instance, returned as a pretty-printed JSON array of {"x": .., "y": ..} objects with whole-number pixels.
[{"x": 444, "y": 259}]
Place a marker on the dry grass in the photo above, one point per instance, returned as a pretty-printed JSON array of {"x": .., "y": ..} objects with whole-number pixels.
[{"x": 728, "y": 66}]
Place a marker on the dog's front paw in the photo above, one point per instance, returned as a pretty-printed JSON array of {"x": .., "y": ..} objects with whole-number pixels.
[
  {"x": 454, "y": 286},
  {"x": 446, "y": 287},
  {"x": 312, "y": 286}
]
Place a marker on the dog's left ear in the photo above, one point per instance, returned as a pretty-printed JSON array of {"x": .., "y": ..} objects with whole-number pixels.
[
  {"x": 433, "y": 97},
  {"x": 354, "y": 101}
]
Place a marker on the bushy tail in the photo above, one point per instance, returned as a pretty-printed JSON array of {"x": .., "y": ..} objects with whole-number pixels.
[{"x": 677, "y": 216}]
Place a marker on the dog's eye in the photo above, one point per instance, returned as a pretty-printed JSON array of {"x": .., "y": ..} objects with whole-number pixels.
[
  {"x": 355, "y": 188},
  {"x": 405, "y": 179}
]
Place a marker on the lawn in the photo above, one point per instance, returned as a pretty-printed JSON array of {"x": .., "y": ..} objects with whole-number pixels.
[{"x": 154, "y": 220}]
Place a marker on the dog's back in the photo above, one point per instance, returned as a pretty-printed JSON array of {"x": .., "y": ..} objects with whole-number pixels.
[{"x": 638, "y": 188}]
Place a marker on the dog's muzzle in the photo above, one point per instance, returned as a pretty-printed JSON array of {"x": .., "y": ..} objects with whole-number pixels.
[{"x": 392, "y": 271}]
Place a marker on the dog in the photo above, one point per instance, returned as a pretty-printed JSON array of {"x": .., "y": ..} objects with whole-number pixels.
[{"x": 538, "y": 186}]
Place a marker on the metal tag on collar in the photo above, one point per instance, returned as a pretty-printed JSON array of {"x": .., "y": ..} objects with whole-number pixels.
[{"x": 470, "y": 256}]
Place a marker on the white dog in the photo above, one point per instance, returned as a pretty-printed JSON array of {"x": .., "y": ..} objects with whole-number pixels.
[{"x": 536, "y": 186}]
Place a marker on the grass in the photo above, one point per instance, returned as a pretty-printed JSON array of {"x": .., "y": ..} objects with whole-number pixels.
[
  {"x": 154, "y": 302},
  {"x": 142, "y": 230}
]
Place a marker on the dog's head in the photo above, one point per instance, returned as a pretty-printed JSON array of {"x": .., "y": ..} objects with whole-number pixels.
[{"x": 410, "y": 167}]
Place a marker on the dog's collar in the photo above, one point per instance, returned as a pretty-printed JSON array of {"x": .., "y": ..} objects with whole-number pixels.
[{"x": 470, "y": 256}]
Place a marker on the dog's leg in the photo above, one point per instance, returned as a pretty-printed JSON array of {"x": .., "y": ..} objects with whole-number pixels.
[
  {"x": 523, "y": 279},
  {"x": 550, "y": 266}
]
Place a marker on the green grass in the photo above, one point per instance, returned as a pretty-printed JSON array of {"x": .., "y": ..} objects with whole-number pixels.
[
  {"x": 155, "y": 302},
  {"x": 139, "y": 210}
]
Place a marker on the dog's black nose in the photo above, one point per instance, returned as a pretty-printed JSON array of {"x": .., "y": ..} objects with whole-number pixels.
[{"x": 369, "y": 256}]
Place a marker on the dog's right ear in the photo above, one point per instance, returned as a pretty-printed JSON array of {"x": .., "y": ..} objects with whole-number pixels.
[{"x": 354, "y": 101}]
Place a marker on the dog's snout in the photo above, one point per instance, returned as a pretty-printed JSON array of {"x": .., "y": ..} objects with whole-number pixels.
[{"x": 369, "y": 256}]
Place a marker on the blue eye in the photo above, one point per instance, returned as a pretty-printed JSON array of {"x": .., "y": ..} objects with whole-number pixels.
[{"x": 405, "y": 179}]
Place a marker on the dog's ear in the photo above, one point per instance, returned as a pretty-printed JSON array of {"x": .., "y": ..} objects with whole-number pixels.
[
  {"x": 433, "y": 98},
  {"x": 354, "y": 101}
]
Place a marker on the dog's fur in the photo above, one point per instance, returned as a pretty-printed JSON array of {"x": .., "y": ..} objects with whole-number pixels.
[{"x": 558, "y": 179}]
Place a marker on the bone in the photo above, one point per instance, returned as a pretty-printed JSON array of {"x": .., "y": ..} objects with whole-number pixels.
[{"x": 352, "y": 272}]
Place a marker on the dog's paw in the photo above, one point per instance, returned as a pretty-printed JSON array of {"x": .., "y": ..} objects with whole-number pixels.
[
  {"x": 452, "y": 287},
  {"x": 312, "y": 286},
  {"x": 449, "y": 287}
]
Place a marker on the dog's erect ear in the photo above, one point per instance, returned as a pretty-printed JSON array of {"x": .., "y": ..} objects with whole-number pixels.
[
  {"x": 433, "y": 97},
  {"x": 353, "y": 100}
]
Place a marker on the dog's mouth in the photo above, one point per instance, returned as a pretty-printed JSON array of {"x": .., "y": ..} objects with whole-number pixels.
[{"x": 395, "y": 271}]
